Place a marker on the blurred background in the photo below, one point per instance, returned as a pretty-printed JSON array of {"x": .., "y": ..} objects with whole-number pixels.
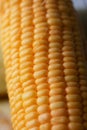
[{"x": 81, "y": 7}]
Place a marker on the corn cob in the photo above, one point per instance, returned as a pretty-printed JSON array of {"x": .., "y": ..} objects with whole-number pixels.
[{"x": 45, "y": 67}]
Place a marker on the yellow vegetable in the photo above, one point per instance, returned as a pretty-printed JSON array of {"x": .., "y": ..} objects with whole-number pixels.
[{"x": 45, "y": 67}]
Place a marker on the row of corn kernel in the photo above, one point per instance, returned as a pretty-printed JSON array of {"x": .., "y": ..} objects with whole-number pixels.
[
  {"x": 40, "y": 48},
  {"x": 81, "y": 63},
  {"x": 5, "y": 35},
  {"x": 59, "y": 118},
  {"x": 17, "y": 106},
  {"x": 26, "y": 66},
  {"x": 70, "y": 71}
]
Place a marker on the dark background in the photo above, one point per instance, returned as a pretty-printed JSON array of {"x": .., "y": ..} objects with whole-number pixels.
[{"x": 81, "y": 7}]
